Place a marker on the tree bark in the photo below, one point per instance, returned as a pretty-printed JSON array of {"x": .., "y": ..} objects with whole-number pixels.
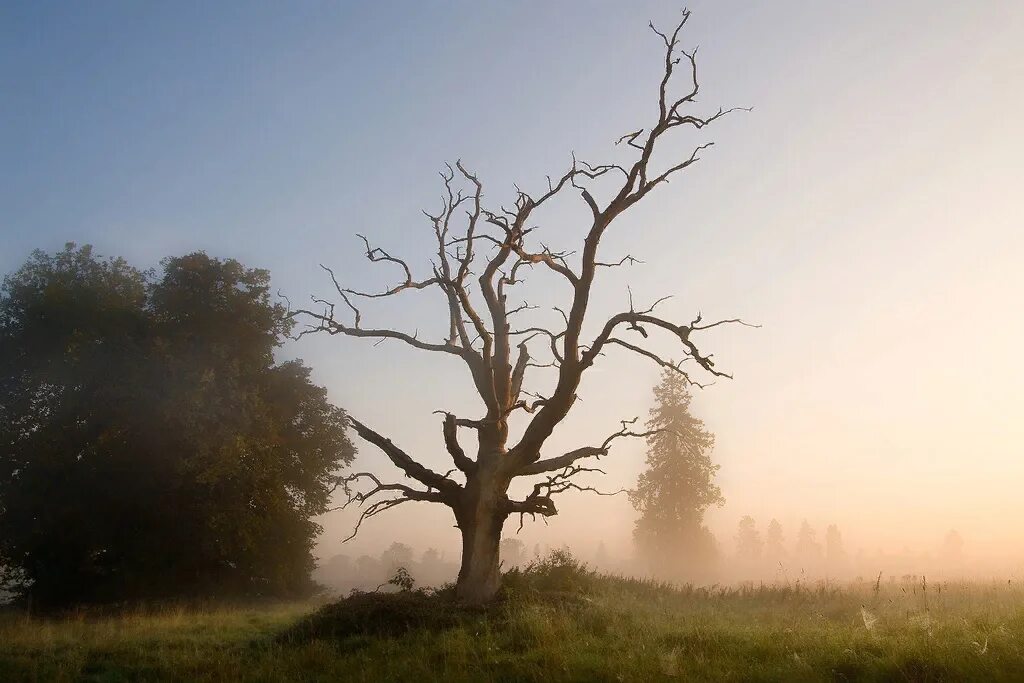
[{"x": 480, "y": 519}]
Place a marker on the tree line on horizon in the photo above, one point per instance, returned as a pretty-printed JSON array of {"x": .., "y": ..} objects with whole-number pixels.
[{"x": 753, "y": 558}]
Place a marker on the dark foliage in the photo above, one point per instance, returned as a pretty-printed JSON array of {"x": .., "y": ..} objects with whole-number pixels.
[
  {"x": 150, "y": 447},
  {"x": 375, "y": 614},
  {"x": 557, "y": 575}
]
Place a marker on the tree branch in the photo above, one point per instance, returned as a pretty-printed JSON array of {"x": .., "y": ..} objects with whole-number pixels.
[
  {"x": 638, "y": 180},
  {"x": 359, "y": 498},
  {"x": 540, "y": 501},
  {"x": 403, "y": 461},
  {"x": 674, "y": 366},
  {"x": 450, "y": 429},
  {"x": 376, "y": 254},
  {"x": 326, "y": 323},
  {"x": 566, "y": 460},
  {"x": 637, "y": 320}
]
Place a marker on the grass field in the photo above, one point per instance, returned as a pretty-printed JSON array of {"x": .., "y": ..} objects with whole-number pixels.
[{"x": 557, "y": 623}]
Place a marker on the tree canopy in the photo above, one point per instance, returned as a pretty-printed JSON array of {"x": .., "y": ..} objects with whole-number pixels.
[{"x": 150, "y": 445}]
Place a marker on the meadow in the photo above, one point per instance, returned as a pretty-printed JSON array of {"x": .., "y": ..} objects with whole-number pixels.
[{"x": 556, "y": 622}]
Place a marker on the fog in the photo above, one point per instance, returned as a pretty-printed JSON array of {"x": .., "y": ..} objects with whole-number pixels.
[
  {"x": 947, "y": 558},
  {"x": 866, "y": 214}
]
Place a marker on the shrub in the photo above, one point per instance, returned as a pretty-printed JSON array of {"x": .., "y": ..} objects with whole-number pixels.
[{"x": 557, "y": 574}]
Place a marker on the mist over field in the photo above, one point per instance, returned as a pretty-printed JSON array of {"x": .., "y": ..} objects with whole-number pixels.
[
  {"x": 822, "y": 558},
  {"x": 863, "y": 214},
  {"x": 512, "y": 341}
]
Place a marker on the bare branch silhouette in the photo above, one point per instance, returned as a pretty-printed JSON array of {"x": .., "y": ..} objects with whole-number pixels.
[{"x": 482, "y": 252}]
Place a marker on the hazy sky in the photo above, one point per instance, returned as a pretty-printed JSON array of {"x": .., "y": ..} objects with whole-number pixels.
[{"x": 867, "y": 213}]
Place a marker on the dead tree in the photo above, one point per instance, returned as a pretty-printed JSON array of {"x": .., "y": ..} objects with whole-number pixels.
[{"x": 491, "y": 248}]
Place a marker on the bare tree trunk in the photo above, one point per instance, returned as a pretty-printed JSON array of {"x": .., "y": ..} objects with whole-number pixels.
[
  {"x": 491, "y": 254},
  {"x": 480, "y": 518}
]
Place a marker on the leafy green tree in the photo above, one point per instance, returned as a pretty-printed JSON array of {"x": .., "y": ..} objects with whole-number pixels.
[
  {"x": 677, "y": 487},
  {"x": 149, "y": 444}
]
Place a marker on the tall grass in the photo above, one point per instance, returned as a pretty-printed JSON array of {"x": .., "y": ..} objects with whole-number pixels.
[{"x": 558, "y": 622}]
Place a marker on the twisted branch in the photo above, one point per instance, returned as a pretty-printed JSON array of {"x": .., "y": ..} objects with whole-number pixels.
[
  {"x": 566, "y": 460},
  {"x": 375, "y": 508}
]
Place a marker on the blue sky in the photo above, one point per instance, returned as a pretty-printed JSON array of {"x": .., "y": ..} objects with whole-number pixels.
[{"x": 863, "y": 212}]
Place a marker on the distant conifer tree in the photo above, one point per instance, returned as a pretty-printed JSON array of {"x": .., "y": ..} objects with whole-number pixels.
[
  {"x": 807, "y": 547},
  {"x": 834, "y": 551},
  {"x": 748, "y": 541},
  {"x": 677, "y": 487}
]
